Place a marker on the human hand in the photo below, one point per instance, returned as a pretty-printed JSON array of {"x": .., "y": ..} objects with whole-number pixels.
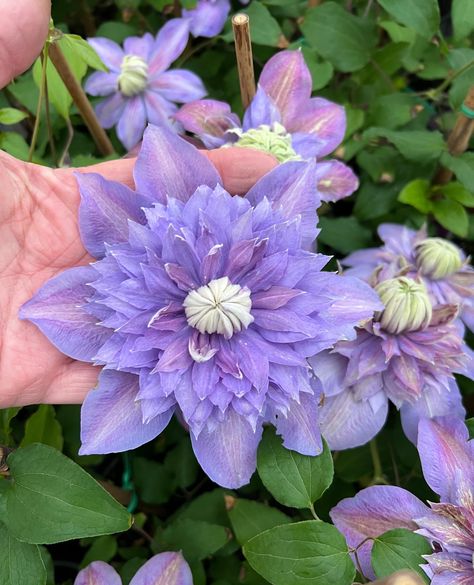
[{"x": 39, "y": 236}]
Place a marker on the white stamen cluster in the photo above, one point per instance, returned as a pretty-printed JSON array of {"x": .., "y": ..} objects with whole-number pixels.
[{"x": 133, "y": 76}]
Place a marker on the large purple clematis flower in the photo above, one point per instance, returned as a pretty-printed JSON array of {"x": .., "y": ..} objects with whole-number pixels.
[
  {"x": 282, "y": 119},
  {"x": 407, "y": 355},
  {"x": 139, "y": 86},
  {"x": 447, "y": 457},
  {"x": 200, "y": 303},
  {"x": 440, "y": 264},
  {"x": 168, "y": 568}
]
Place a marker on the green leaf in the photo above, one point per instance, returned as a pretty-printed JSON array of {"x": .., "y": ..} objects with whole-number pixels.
[
  {"x": 293, "y": 479},
  {"x": 457, "y": 59},
  {"x": 321, "y": 71},
  {"x": 195, "y": 538},
  {"x": 462, "y": 166},
  {"x": 456, "y": 192},
  {"x": 398, "y": 33},
  {"x": 14, "y": 144},
  {"x": 420, "y": 15},
  {"x": 264, "y": 29},
  {"x": 42, "y": 427},
  {"x": 84, "y": 51},
  {"x": 305, "y": 553},
  {"x": 355, "y": 235},
  {"x": 392, "y": 110},
  {"x": 6, "y": 416},
  {"x": 329, "y": 25},
  {"x": 462, "y": 16},
  {"x": 399, "y": 549},
  {"x": 11, "y": 116},
  {"x": 416, "y": 145},
  {"x": 249, "y": 518},
  {"x": 22, "y": 563},
  {"x": 117, "y": 31},
  {"x": 103, "y": 548},
  {"x": 51, "y": 499},
  {"x": 452, "y": 216},
  {"x": 470, "y": 426},
  {"x": 417, "y": 194}
]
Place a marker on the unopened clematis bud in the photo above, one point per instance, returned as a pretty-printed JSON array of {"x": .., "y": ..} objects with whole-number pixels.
[
  {"x": 407, "y": 305},
  {"x": 273, "y": 139},
  {"x": 133, "y": 76},
  {"x": 438, "y": 258}
]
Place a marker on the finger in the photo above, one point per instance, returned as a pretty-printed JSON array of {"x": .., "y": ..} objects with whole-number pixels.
[
  {"x": 23, "y": 30},
  {"x": 72, "y": 384}
]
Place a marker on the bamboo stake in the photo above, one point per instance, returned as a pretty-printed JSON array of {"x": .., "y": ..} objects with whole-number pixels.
[
  {"x": 400, "y": 578},
  {"x": 243, "y": 52},
  {"x": 80, "y": 99},
  {"x": 458, "y": 140}
]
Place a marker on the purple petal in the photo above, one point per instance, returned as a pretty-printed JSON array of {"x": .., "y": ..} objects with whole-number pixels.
[
  {"x": 110, "y": 53},
  {"x": 158, "y": 109},
  {"x": 98, "y": 573},
  {"x": 179, "y": 85},
  {"x": 306, "y": 145},
  {"x": 132, "y": 122},
  {"x": 335, "y": 180},
  {"x": 262, "y": 110},
  {"x": 58, "y": 310},
  {"x": 106, "y": 207},
  {"x": 170, "y": 43},
  {"x": 287, "y": 80},
  {"x": 178, "y": 174},
  {"x": 372, "y": 512},
  {"x": 168, "y": 568},
  {"x": 228, "y": 453},
  {"x": 290, "y": 188},
  {"x": 330, "y": 370},
  {"x": 208, "y": 18},
  {"x": 100, "y": 83},
  {"x": 111, "y": 418},
  {"x": 139, "y": 46},
  {"x": 109, "y": 110}
]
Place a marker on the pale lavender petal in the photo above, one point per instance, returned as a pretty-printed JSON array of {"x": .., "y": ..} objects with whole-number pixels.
[
  {"x": 262, "y": 110},
  {"x": 330, "y": 369},
  {"x": 158, "y": 109},
  {"x": 58, "y": 310},
  {"x": 287, "y": 80},
  {"x": 168, "y": 568},
  {"x": 372, "y": 512},
  {"x": 208, "y": 18},
  {"x": 400, "y": 239},
  {"x": 111, "y": 417},
  {"x": 132, "y": 123},
  {"x": 178, "y": 174},
  {"x": 306, "y": 145},
  {"x": 228, "y": 453},
  {"x": 335, "y": 180},
  {"x": 110, "y": 53},
  {"x": 139, "y": 46},
  {"x": 98, "y": 573},
  {"x": 106, "y": 207},
  {"x": 179, "y": 85},
  {"x": 110, "y": 110},
  {"x": 101, "y": 83},
  {"x": 170, "y": 43}
]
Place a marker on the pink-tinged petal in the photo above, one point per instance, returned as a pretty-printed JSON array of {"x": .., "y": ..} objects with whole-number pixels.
[
  {"x": 372, "y": 512},
  {"x": 158, "y": 109},
  {"x": 290, "y": 188},
  {"x": 179, "y": 85},
  {"x": 132, "y": 123},
  {"x": 228, "y": 452},
  {"x": 287, "y": 80},
  {"x": 100, "y": 83},
  {"x": 112, "y": 419},
  {"x": 170, "y": 43},
  {"x": 106, "y": 207},
  {"x": 208, "y": 18},
  {"x": 324, "y": 119},
  {"x": 335, "y": 180},
  {"x": 98, "y": 573},
  {"x": 262, "y": 110},
  {"x": 444, "y": 451},
  {"x": 274, "y": 297},
  {"x": 139, "y": 46},
  {"x": 168, "y": 568},
  {"x": 110, "y": 110},
  {"x": 58, "y": 310},
  {"x": 178, "y": 174},
  {"x": 110, "y": 53}
]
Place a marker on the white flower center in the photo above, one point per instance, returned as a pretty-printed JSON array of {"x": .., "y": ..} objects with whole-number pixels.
[
  {"x": 133, "y": 76},
  {"x": 219, "y": 307}
]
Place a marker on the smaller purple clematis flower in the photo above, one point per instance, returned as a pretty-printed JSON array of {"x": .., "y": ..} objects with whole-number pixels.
[
  {"x": 139, "y": 87},
  {"x": 207, "y": 19},
  {"x": 447, "y": 457},
  {"x": 168, "y": 568},
  {"x": 283, "y": 119},
  {"x": 440, "y": 264}
]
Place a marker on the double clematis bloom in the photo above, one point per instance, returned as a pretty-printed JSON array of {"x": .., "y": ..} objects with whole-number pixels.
[
  {"x": 202, "y": 304},
  {"x": 447, "y": 457},
  {"x": 406, "y": 355},
  {"x": 440, "y": 264},
  {"x": 168, "y": 568},
  {"x": 139, "y": 87},
  {"x": 284, "y": 120}
]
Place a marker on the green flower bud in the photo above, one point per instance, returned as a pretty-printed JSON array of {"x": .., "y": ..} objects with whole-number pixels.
[
  {"x": 272, "y": 139},
  {"x": 133, "y": 76},
  {"x": 437, "y": 258},
  {"x": 407, "y": 305}
]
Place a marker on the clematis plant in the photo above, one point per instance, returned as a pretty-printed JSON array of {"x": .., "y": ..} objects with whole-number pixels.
[
  {"x": 283, "y": 119},
  {"x": 139, "y": 87},
  {"x": 447, "y": 457},
  {"x": 168, "y": 568},
  {"x": 200, "y": 304}
]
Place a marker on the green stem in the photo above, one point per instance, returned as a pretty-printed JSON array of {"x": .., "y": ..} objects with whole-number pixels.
[
  {"x": 378, "y": 471},
  {"x": 313, "y": 512},
  {"x": 438, "y": 90},
  {"x": 39, "y": 105}
]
